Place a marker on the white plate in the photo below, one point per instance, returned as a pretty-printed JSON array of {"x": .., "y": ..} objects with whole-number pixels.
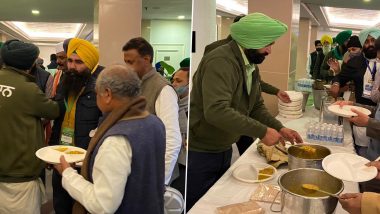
[
  {"x": 290, "y": 112},
  {"x": 345, "y": 111},
  {"x": 295, "y": 116},
  {"x": 50, "y": 155},
  {"x": 341, "y": 165},
  {"x": 295, "y": 95},
  {"x": 291, "y": 104},
  {"x": 249, "y": 172},
  {"x": 289, "y": 108}
]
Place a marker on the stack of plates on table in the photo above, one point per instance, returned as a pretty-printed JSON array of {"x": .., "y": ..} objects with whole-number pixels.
[{"x": 292, "y": 110}]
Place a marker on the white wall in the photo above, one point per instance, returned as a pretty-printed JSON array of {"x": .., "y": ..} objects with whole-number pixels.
[
  {"x": 171, "y": 32},
  {"x": 330, "y": 33},
  {"x": 45, "y": 51}
]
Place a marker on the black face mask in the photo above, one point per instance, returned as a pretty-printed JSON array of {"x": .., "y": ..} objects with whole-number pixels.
[
  {"x": 74, "y": 81},
  {"x": 319, "y": 49},
  {"x": 370, "y": 52},
  {"x": 254, "y": 57}
]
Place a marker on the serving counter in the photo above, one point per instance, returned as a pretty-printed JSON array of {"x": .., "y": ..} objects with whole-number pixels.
[{"x": 228, "y": 190}]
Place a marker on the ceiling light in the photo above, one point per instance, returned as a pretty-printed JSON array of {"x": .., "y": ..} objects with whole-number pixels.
[
  {"x": 218, "y": 16},
  {"x": 358, "y": 19},
  {"x": 367, "y": 0},
  {"x": 180, "y": 17},
  {"x": 35, "y": 12},
  {"x": 37, "y": 31}
]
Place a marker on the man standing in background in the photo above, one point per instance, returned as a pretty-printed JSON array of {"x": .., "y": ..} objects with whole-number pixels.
[
  {"x": 314, "y": 60},
  {"x": 333, "y": 60},
  {"x": 162, "y": 100},
  {"x": 180, "y": 83}
]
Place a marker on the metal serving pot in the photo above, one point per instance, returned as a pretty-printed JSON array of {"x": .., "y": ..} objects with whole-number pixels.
[
  {"x": 294, "y": 199},
  {"x": 299, "y": 158}
]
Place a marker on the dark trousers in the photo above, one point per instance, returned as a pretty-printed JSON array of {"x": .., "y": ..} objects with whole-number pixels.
[
  {"x": 243, "y": 143},
  {"x": 203, "y": 170},
  {"x": 179, "y": 183},
  {"x": 62, "y": 201}
]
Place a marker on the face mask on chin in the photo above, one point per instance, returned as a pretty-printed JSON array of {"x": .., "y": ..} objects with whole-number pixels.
[
  {"x": 181, "y": 90},
  {"x": 254, "y": 57},
  {"x": 355, "y": 54}
]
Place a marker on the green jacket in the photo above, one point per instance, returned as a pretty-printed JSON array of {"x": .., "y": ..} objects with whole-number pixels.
[
  {"x": 220, "y": 108},
  {"x": 22, "y": 105},
  {"x": 265, "y": 87}
]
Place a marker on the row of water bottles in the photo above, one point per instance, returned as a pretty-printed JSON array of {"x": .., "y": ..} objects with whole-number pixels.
[
  {"x": 325, "y": 133},
  {"x": 304, "y": 85}
]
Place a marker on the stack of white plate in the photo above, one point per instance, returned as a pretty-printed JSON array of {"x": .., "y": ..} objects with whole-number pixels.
[{"x": 292, "y": 110}]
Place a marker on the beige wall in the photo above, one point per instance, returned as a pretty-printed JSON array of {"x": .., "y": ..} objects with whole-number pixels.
[
  {"x": 303, "y": 48},
  {"x": 225, "y": 27},
  {"x": 313, "y": 37},
  {"x": 280, "y": 65},
  {"x": 145, "y": 29},
  {"x": 119, "y": 21}
]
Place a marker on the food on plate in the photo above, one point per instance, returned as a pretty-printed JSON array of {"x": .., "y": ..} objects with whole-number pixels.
[
  {"x": 267, "y": 171},
  {"x": 263, "y": 176},
  {"x": 61, "y": 149},
  {"x": 74, "y": 152}
]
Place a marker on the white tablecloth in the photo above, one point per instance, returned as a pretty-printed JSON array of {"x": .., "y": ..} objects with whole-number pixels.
[{"x": 228, "y": 190}]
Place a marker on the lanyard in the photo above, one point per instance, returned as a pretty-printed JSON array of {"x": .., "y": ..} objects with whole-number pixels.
[
  {"x": 373, "y": 71},
  {"x": 69, "y": 106}
]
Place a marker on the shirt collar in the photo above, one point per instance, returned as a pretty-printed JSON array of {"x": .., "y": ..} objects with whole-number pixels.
[{"x": 245, "y": 59}]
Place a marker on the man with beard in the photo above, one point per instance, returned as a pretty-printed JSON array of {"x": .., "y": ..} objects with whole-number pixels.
[
  {"x": 361, "y": 70},
  {"x": 76, "y": 93},
  {"x": 331, "y": 64},
  {"x": 226, "y": 102}
]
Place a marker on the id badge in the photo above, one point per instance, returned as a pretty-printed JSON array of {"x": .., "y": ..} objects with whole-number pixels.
[
  {"x": 67, "y": 137},
  {"x": 367, "y": 90}
]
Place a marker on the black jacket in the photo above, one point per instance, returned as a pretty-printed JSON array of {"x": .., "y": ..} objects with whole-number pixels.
[
  {"x": 354, "y": 70},
  {"x": 86, "y": 116}
]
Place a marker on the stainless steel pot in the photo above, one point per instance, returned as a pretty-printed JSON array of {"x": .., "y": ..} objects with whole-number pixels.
[
  {"x": 294, "y": 199},
  {"x": 298, "y": 158}
]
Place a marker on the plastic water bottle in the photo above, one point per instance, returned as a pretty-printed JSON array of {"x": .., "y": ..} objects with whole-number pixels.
[
  {"x": 329, "y": 133},
  {"x": 310, "y": 132},
  {"x": 317, "y": 132},
  {"x": 323, "y": 136},
  {"x": 334, "y": 135},
  {"x": 340, "y": 135}
]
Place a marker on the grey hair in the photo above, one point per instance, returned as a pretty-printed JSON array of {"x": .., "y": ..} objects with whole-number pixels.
[{"x": 121, "y": 80}]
